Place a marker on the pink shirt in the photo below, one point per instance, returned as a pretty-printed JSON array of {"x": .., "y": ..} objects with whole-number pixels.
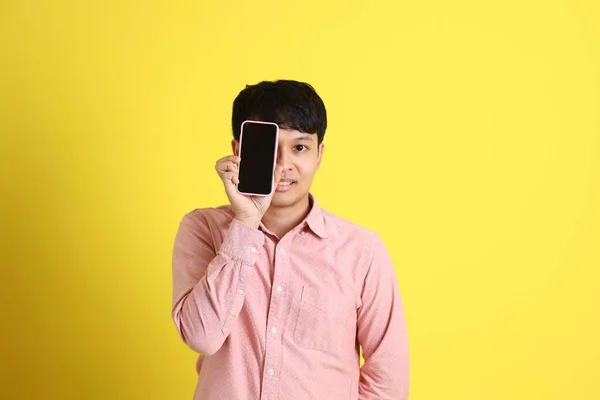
[{"x": 283, "y": 318}]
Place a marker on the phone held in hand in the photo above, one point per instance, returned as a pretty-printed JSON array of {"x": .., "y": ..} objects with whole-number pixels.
[{"x": 258, "y": 155}]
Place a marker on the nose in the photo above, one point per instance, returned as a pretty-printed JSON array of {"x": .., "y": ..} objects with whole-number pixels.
[{"x": 283, "y": 159}]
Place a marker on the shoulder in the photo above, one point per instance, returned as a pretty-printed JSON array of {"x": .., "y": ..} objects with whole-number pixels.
[
  {"x": 220, "y": 216},
  {"x": 362, "y": 244},
  {"x": 204, "y": 225},
  {"x": 348, "y": 232}
]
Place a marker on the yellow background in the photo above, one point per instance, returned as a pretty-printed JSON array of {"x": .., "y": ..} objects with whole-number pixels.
[{"x": 465, "y": 132}]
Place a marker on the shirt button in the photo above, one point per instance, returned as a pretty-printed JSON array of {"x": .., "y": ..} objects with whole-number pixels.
[
  {"x": 279, "y": 289},
  {"x": 253, "y": 249},
  {"x": 302, "y": 232},
  {"x": 274, "y": 331},
  {"x": 241, "y": 291},
  {"x": 271, "y": 372}
]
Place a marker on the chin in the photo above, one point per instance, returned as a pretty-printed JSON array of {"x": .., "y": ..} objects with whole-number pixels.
[
  {"x": 280, "y": 201},
  {"x": 285, "y": 199}
]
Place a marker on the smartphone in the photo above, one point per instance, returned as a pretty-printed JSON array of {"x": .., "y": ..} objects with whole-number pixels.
[{"x": 258, "y": 155}]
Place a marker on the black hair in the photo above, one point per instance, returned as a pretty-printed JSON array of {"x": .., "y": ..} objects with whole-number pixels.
[{"x": 290, "y": 104}]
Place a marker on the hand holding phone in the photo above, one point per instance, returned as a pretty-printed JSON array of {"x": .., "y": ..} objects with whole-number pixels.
[
  {"x": 258, "y": 151},
  {"x": 251, "y": 199}
]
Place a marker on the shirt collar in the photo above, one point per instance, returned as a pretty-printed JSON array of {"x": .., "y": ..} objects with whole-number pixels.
[{"x": 315, "y": 219}]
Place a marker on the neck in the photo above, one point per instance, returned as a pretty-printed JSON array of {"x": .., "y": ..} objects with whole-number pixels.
[{"x": 281, "y": 220}]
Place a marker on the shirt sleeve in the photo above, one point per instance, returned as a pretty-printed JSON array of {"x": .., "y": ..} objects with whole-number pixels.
[
  {"x": 382, "y": 331},
  {"x": 209, "y": 284}
]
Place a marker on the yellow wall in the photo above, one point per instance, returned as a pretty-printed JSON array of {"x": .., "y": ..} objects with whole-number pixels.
[{"x": 465, "y": 132}]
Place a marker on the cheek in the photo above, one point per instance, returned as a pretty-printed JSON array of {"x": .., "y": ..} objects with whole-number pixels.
[
  {"x": 306, "y": 168},
  {"x": 307, "y": 173}
]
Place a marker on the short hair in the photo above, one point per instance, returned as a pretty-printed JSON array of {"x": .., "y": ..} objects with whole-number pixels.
[{"x": 288, "y": 103}]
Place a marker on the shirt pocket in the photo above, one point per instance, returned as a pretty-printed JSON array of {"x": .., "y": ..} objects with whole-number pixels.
[{"x": 326, "y": 320}]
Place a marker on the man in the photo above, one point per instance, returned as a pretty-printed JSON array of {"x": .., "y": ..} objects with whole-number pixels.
[{"x": 276, "y": 294}]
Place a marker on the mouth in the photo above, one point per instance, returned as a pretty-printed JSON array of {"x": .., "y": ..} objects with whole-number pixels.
[{"x": 285, "y": 185}]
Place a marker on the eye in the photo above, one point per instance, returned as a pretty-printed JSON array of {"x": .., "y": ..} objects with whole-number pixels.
[{"x": 300, "y": 147}]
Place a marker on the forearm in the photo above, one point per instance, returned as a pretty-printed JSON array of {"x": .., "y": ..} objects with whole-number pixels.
[
  {"x": 385, "y": 376},
  {"x": 382, "y": 332},
  {"x": 205, "y": 308},
  {"x": 203, "y": 317}
]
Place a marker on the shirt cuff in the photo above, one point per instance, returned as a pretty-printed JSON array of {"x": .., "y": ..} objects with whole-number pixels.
[{"x": 242, "y": 242}]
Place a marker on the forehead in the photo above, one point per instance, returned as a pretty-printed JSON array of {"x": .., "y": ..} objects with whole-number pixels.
[{"x": 294, "y": 135}]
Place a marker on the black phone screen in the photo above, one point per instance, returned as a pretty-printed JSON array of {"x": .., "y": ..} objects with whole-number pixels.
[{"x": 257, "y": 153}]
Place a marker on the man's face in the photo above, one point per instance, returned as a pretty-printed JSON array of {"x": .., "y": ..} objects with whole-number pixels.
[{"x": 299, "y": 155}]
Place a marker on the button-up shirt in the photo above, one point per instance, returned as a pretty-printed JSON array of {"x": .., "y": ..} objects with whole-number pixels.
[{"x": 286, "y": 318}]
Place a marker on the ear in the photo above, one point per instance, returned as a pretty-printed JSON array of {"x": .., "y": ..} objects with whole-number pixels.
[
  {"x": 321, "y": 149},
  {"x": 235, "y": 147}
]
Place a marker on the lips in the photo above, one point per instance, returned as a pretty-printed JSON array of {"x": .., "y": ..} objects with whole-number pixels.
[
  {"x": 286, "y": 181},
  {"x": 284, "y": 186}
]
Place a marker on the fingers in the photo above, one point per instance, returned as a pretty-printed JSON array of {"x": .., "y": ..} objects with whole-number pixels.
[
  {"x": 227, "y": 163},
  {"x": 230, "y": 177},
  {"x": 227, "y": 169},
  {"x": 228, "y": 173}
]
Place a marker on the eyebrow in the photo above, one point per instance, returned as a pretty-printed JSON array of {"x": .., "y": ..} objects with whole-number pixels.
[{"x": 304, "y": 137}]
